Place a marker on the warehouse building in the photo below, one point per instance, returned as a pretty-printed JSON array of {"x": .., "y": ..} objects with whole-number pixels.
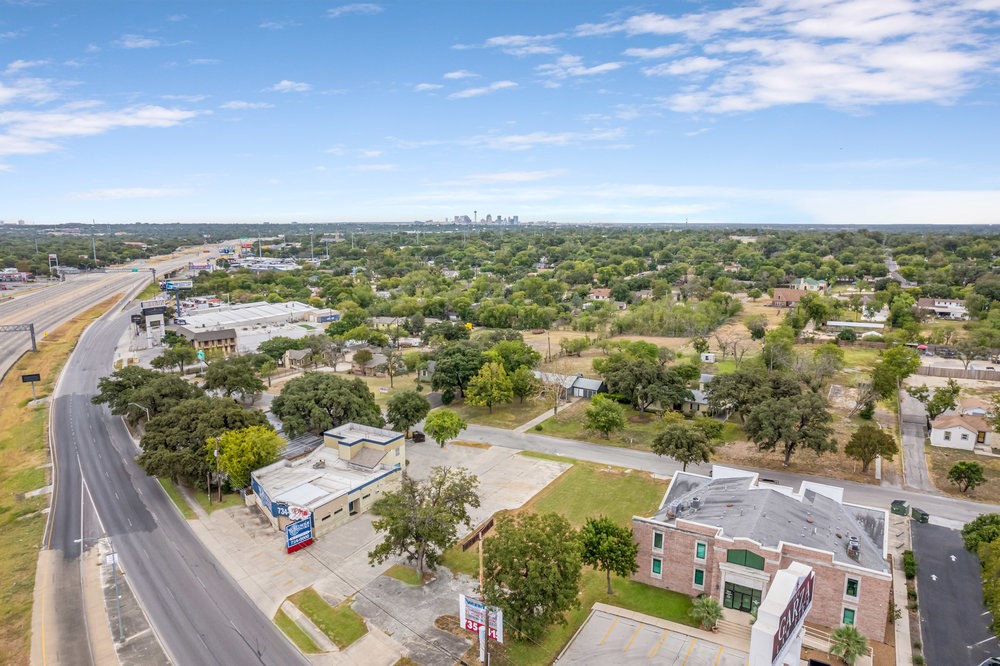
[{"x": 250, "y": 315}]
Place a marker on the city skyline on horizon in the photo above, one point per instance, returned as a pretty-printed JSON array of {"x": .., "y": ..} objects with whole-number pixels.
[{"x": 766, "y": 112}]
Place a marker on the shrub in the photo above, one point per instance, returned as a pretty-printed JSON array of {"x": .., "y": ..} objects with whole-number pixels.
[
  {"x": 909, "y": 564},
  {"x": 707, "y": 611},
  {"x": 913, "y": 605},
  {"x": 538, "y": 427},
  {"x": 911, "y": 594},
  {"x": 867, "y": 411},
  {"x": 918, "y": 660},
  {"x": 916, "y": 645}
]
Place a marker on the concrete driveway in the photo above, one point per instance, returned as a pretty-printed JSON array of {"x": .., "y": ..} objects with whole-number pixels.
[
  {"x": 953, "y": 620},
  {"x": 914, "y": 421}
]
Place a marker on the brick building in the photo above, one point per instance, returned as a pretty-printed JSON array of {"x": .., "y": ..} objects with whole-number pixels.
[{"x": 727, "y": 535}]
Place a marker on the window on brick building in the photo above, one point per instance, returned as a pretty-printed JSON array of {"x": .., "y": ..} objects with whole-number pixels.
[
  {"x": 745, "y": 558},
  {"x": 849, "y": 616},
  {"x": 657, "y": 566},
  {"x": 852, "y": 587},
  {"x": 699, "y": 578},
  {"x": 700, "y": 550},
  {"x": 657, "y": 540}
]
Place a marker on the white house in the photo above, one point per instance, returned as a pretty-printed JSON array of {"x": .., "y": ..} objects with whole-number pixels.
[
  {"x": 959, "y": 431},
  {"x": 944, "y": 308}
]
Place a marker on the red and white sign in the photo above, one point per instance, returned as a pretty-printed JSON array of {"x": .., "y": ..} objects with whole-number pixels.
[
  {"x": 794, "y": 615},
  {"x": 296, "y": 513},
  {"x": 473, "y": 614}
]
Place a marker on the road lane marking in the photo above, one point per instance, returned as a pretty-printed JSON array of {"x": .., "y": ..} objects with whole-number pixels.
[
  {"x": 609, "y": 630},
  {"x": 637, "y": 630},
  {"x": 718, "y": 656},
  {"x": 985, "y": 640},
  {"x": 688, "y": 655},
  {"x": 659, "y": 644}
]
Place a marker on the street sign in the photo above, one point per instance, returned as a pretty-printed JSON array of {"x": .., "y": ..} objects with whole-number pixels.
[
  {"x": 31, "y": 378},
  {"x": 171, "y": 285},
  {"x": 473, "y": 614},
  {"x": 201, "y": 355},
  {"x": 150, "y": 312},
  {"x": 135, "y": 270},
  {"x": 299, "y": 535}
]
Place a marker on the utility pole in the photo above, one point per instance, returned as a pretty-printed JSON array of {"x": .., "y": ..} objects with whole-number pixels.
[
  {"x": 93, "y": 240},
  {"x": 312, "y": 255}
]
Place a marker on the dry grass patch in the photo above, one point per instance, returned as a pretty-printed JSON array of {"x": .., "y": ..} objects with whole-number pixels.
[
  {"x": 23, "y": 456},
  {"x": 940, "y": 460}
]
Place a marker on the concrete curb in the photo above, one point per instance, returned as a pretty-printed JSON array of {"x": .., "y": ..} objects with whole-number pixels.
[{"x": 305, "y": 624}]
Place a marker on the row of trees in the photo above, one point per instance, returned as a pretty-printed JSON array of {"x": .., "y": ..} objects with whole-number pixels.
[{"x": 982, "y": 537}]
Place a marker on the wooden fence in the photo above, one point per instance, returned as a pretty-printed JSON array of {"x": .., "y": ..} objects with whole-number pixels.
[{"x": 959, "y": 373}]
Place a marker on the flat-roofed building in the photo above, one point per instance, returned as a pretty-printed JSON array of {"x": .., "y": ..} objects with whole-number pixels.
[
  {"x": 727, "y": 535},
  {"x": 333, "y": 483},
  {"x": 222, "y": 339}
]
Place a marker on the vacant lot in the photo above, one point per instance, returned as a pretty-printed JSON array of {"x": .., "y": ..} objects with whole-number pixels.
[
  {"x": 940, "y": 460},
  {"x": 582, "y": 491},
  {"x": 503, "y": 416}
]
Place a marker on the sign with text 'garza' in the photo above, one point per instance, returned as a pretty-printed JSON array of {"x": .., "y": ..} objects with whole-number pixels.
[
  {"x": 794, "y": 614},
  {"x": 473, "y": 614},
  {"x": 299, "y": 535},
  {"x": 177, "y": 284}
]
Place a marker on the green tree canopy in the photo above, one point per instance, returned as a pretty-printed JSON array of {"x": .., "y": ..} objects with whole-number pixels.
[
  {"x": 405, "y": 409},
  {"x": 277, "y": 346},
  {"x": 604, "y": 415},
  {"x": 793, "y": 422},
  {"x": 524, "y": 384},
  {"x": 179, "y": 355},
  {"x": 456, "y": 364},
  {"x": 531, "y": 570},
  {"x": 316, "y": 402},
  {"x": 940, "y": 400},
  {"x": 514, "y": 354},
  {"x": 128, "y": 390},
  {"x": 443, "y": 424},
  {"x": 608, "y": 547},
  {"x": 897, "y": 363},
  {"x": 868, "y": 442},
  {"x": 967, "y": 475},
  {"x": 984, "y": 529},
  {"x": 684, "y": 442},
  {"x": 234, "y": 375},
  {"x": 421, "y": 519},
  {"x": 491, "y": 386},
  {"x": 848, "y": 643},
  {"x": 243, "y": 451}
]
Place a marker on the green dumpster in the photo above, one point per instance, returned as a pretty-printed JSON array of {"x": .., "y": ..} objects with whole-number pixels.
[
  {"x": 919, "y": 515},
  {"x": 900, "y": 507}
]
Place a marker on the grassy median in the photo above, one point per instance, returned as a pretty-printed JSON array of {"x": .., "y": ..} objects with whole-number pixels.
[
  {"x": 340, "y": 622},
  {"x": 23, "y": 468}
]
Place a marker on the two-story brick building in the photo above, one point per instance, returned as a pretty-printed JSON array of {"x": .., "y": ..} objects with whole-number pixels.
[{"x": 727, "y": 535}]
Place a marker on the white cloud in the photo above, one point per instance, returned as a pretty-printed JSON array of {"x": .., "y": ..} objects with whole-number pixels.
[
  {"x": 283, "y": 24},
  {"x": 654, "y": 53},
  {"x": 569, "y": 66},
  {"x": 460, "y": 74},
  {"x": 513, "y": 176},
  {"x": 524, "y": 45},
  {"x": 694, "y": 65},
  {"x": 185, "y": 98},
  {"x": 27, "y": 90},
  {"x": 116, "y": 193},
  {"x": 138, "y": 42},
  {"x": 19, "y": 65},
  {"x": 204, "y": 61},
  {"x": 355, "y": 8},
  {"x": 29, "y": 132},
  {"x": 240, "y": 105},
  {"x": 485, "y": 90},
  {"x": 376, "y": 167},
  {"x": 335, "y": 150},
  {"x": 369, "y": 154},
  {"x": 535, "y": 139},
  {"x": 285, "y": 86},
  {"x": 425, "y": 87}
]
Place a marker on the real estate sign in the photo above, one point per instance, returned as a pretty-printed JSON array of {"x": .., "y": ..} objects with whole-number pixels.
[
  {"x": 299, "y": 535},
  {"x": 473, "y": 614}
]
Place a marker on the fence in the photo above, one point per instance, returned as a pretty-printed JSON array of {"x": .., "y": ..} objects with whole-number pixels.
[{"x": 959, "y": 373}]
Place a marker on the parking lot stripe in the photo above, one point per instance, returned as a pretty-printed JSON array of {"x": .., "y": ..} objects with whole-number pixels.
[
  {"x": 637, "y": 630},
  {"x": 688, "y": 655},
  {"x": 659, "y": 644},
  {"x": 718, "y": 656},
  {"x": 609, "y": 631}
]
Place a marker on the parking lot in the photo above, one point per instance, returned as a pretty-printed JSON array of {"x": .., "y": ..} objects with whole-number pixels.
[
  {"x": 953, "y": 620},
  {"x": 614, "y": 636}
]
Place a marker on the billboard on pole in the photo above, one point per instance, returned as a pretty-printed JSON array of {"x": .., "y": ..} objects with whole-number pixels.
[
  {"x": 177, "y": 284},
  {"x": 473, "y": 614}
]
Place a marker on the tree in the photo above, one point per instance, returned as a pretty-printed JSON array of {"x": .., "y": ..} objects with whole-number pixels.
[
  {"x": 967, "y": 475},
  {"x": 645, "y": 382},
  {"x": 608, "y": 547},
  {"x": 318, "y": 401},
  {"x": 421, "y": 519},
  {"x": 266, "y": 369},
  {"x": 700, "y": 345},
  {"x": 968, "y": 350},
  {"x": 706, "y": 610},
  {"x": 683, "y": 442},
  {"x": 361, "y": 357},
  {"x": 738, "y": 392},
  {"x": 757, "y": 325},
  {"x": 552, "y": 392},
  {"x": 531, "y": 571},
  {"x": 443, "y": 425},
  {"x": 524, "y": 383},
  {"x": 779, "y": 348},
  {"x": 941, "y": 400},
  {"x": 604, "y": 415},
  {"x": 178, "y": 355},
  {"x": 848, "y": 643},
  {"x": 243, "y": 451},
  {"x": 233, "y": 375},
  {"x": 989, "y": 557},
  {"x": 984, "y": 529},
  {"x": 514, "y": 354},
  {"x": 173, "y": 443},
  {"x": 393, "y": 363},
  {"x": 277, "y": 346},
  {"x": 897, "y": 363},
  {"x": 405, "y": 409},
  {"x": 489, "y": 387},
  {"x": 574, "y": 346},
  {"x": 802, "y": 420},
  {"x": 132, "y": 390},
  {"x": 457, "y": 363},
  {"x": 868, "y": 442}
]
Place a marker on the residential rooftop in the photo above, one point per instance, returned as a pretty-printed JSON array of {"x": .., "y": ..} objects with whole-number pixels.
[{"x": 354, "y": 433}]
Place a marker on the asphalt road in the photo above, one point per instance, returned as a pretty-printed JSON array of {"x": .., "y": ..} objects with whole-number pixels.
[
  {"x": 953, "y": 511},
  {"x": 953, "y": 620},
  {"x": 199, "y": 613}
]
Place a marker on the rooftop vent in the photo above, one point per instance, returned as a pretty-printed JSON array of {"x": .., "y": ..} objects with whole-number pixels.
[
  {"x": 853, "y": 548},
  {"x": 695, "y": 502},
  {"x": 319, "y": 464}
]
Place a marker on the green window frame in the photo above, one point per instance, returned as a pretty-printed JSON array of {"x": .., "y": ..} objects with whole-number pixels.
[
  {"x": 851, "y": 589},
  {"x": 700, "y": 550},
  {"x": 745, "y": 558},
  {"x": 657, "y": 540},
  {"x": 849, "y": 614},
  {"x": 657, "y": 566},
  {"x": 699, "y": 577}
]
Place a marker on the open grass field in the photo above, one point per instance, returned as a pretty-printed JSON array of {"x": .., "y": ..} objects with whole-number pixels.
[
  {"x": 569, "y": 424},
  {"x": 940, "y": 460},
  {"x": 503, "y": 416},
  {"x": 23, "y": 468},
  {"x": 582, "y": 491},
  {"x": 340, "y": 622}
]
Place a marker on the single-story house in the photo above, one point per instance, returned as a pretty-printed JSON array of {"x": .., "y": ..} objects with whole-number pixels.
[
  {"x": 372, "y": 368},
  {"x": 808, "y": 284},
  {"x": 958, "y": 431},
  {"x": 598, "y": 294},
  {"x": 975, "y": 407},
  {"x": 787, "y": 298},
  {"x": 576, "y": 386},
  {"x": 944, "y": 308},
  {"x": 643, "y": 295},
  {"x": 296, "y": 358},
  {"x": 426, "y": 373},
  {"x": 698, "y": 404}
]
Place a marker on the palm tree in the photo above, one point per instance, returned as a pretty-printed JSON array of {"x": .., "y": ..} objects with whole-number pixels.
[
  {"x": 707, "y": 611},
  {"x": 847, "y": 643}
]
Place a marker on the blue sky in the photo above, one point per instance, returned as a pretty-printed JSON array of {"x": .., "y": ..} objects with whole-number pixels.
[{"x": 807, "y": 111}]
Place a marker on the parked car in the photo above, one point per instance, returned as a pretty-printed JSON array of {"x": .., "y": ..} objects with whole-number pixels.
[{"x": 419, "y": 436}]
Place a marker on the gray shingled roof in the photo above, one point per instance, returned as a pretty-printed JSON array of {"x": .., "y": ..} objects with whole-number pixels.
[{"x": 769, "y": 517}]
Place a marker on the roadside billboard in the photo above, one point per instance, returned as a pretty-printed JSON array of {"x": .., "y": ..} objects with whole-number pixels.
[
  {"x": 299, "y": 535},
  {"x": 177, "y": 284},
  {"x": 473, "y": 614}
]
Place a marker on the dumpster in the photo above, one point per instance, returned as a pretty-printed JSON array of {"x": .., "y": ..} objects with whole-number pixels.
[
  {"x": 900, "y": 507},
  {"x": 919, "y": 515}
]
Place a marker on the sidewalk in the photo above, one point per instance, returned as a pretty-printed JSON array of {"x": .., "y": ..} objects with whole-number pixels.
[
  {"x": 899, "y": 540},
  {"x": 525, "y": 427}
]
